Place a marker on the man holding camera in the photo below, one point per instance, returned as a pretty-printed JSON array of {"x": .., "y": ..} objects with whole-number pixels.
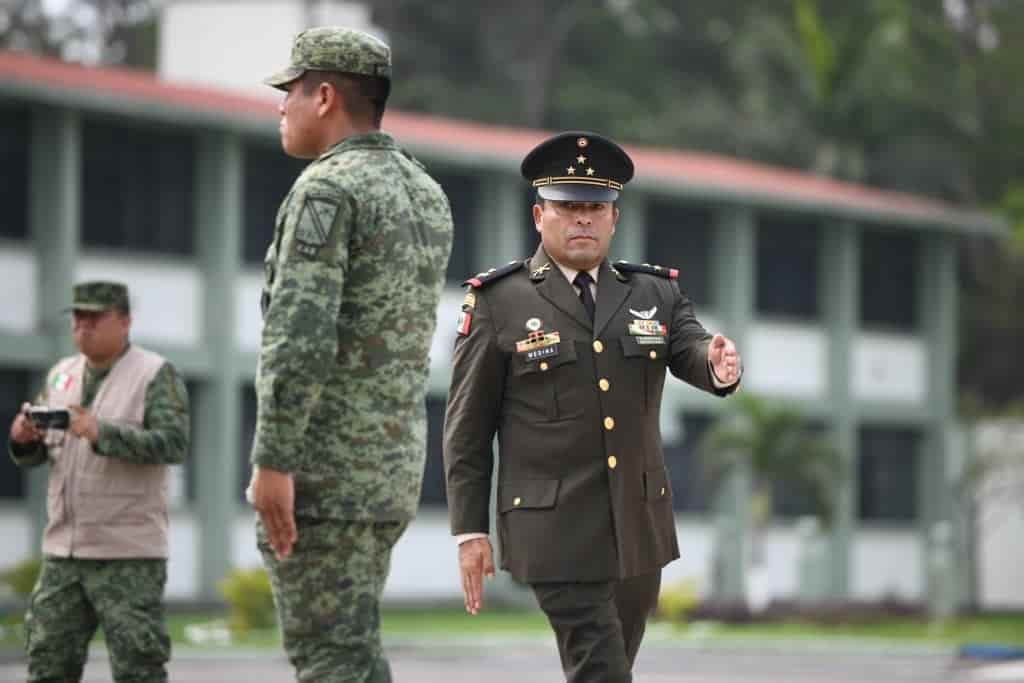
[{"x": 108, "y": 422}]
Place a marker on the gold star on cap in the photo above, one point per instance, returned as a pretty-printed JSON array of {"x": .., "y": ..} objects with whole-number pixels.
[
  {"x": 590, "y": 171},
  {"x": 581, "y": 160},
  {"x": 571, "y": 170}
]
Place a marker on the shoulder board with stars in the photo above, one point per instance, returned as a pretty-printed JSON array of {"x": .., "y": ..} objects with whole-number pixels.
[
  {"x": 626, "y": 266},
  {"x": 483, "y": 279}
]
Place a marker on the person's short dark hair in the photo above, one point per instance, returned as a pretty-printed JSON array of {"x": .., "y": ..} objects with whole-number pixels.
[{"x": 364, "y": 97}]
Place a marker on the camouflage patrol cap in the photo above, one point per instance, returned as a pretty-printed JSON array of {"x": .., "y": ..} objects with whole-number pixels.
[
  {"x": 99, "y": 296},
  {"x": 335, "y": 48}
]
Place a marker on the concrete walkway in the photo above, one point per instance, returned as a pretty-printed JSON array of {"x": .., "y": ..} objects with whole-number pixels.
[{"x": 518, "y": 661}]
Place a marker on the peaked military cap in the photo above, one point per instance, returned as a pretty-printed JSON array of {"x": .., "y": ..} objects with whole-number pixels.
[
  {"x": 334, "y": 48},
  {"x": 577, "y": 166},
  {"x": 99, "y": 296}
]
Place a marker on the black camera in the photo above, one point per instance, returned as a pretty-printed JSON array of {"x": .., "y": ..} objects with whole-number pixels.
[{"x": 49, "y": 418}]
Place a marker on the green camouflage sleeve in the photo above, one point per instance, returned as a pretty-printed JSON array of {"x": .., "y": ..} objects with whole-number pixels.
[
  {"x": 163, "y": 439},
  {"x": 300, "y": 333},
  {"x": 34, "y": 454}
]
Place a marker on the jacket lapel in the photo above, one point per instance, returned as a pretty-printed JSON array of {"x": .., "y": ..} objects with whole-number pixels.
[
  {"x": 611, "y": 293},
  {"x": 553, "y": 286}
]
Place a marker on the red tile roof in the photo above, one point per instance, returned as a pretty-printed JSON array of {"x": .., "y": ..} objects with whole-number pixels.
[{"x": 703, "y": 173}]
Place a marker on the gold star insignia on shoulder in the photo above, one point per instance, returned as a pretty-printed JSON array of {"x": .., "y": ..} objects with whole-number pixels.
[{"x": 571, "y": 170}]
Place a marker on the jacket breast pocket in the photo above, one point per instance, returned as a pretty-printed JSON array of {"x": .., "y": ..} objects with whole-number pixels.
[
  {"x": 545, "y": 388},
  {"x": 647, "y": 357}
]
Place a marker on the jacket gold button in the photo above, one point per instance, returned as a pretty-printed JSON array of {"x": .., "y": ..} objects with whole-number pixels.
[
  {"x": 543, "y": 366},
  {"x": 609, "y": 423},
  {"x": 604, "y": 384},
  {"x": 653, "y": 354},
  {"x": 598, "y": 346},
  {"x": 519, "y": 500},
  {"x": 663, "y": 490},
  {"x": 612, "y": 462}
]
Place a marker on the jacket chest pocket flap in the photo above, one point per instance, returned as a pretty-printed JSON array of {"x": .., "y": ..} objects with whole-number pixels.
[
  {"x": 528, "y": 494},
  {"x": 546, "y": 385}
]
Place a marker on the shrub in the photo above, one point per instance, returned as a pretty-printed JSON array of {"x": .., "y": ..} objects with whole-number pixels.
[
  {"x": 250, "y": 599},
  {"x": 676, "y": 600},
  {"x": 22, "y": 577}
]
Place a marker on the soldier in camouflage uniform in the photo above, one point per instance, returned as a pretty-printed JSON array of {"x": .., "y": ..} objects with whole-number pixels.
[
  {"x": 353, "y": 279},
  {"x": 105, "y": 544}
]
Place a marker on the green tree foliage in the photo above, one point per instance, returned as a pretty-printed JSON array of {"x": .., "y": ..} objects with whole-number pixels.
[{"x": 773, "y": 440}]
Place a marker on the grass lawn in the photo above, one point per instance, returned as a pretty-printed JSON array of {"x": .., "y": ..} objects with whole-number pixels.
[
  {"x": 454, "y": 623},
  {"x": 1006, "y": 629}
]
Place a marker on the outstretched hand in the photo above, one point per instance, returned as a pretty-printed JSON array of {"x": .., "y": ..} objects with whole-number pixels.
[{"x": 724, "y": 359}]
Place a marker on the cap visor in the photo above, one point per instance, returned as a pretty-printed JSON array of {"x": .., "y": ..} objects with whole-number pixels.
[
  {"x": 283, "y": 77},
  {"x": 92, "y": 308},
  {"x": 571, "y": 192}
]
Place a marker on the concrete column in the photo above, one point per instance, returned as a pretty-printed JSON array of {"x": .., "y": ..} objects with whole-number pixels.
[
  {"x": 840, "y": 302},
  {"x": 630, "y": 241},
  {"x": 502, "y": 213},
  {"x": 733, "y": 258},
  {"x": 217, "y": 413},
  {"x": 55, "y": 153},
  {"x": 937, "y": 303}
]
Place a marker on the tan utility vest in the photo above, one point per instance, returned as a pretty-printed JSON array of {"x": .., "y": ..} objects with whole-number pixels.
[{"x": 103, "y": 507}]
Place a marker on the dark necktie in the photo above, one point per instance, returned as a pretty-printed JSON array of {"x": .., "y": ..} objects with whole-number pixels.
[{"x": 583, "y": 280}]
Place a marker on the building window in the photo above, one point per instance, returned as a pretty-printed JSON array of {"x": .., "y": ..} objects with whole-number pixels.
[
  {"x": 887, "y": 472},
  {"x": 787, "y": 267},
  {"x": 15, "y": 128},
  {"x": 15, "y": 389},
  {"x": 245, "y": 438},
  {"x": 888, "y": 280},
  {"x": 531, "y": 238},
  {"x": 183, "y": 485},
  {"x": 137, "y": 188},
  {"x": 792, "y": 498},
  {"x": 679, "y": 236},
  {"x": 463, "y": 192},
  {"x": 433, "y": 492},
  {"x": 268, "y": 176},
  {"x": 686, "y": 468}
]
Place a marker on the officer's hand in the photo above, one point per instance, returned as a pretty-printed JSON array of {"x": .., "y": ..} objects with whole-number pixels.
[
  {"x": 23, "y": 429},
  {"x": 725, "y": 360},
  {"x": 84, "y": 424},
  {"x": 476, "y": 560},
  {"x": 273, "y": 496}
]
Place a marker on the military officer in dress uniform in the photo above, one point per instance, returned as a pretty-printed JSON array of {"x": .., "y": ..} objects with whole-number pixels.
[{"x": 564, "y": 356}]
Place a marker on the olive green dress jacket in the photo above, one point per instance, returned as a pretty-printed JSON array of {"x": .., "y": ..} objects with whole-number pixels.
[{"x": 583, "y": 493}]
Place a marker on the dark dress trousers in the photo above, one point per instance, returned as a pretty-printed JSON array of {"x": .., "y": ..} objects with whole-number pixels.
[{"x": 583, "y": 494}]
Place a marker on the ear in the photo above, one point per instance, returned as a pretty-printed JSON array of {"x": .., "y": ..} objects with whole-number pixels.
[
  {"x": 326, "y": 99},
  {"x": 537, "y": 211}
]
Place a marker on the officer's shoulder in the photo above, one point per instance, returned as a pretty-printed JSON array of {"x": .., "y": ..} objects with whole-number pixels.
[
  {"x": 646, "y": 269},
  {"x": 489, "y": 277}
]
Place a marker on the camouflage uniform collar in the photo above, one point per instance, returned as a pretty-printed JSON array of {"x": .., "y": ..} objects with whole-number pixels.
[{"x": 374, "y": 140}]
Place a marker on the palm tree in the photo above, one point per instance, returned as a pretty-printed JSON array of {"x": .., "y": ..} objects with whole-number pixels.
[{"x": 774, "y": 441}]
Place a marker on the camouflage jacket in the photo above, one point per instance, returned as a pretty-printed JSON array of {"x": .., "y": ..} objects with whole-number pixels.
[
  {"x": 163, "y": 439},
  {"x": 353, "y": 279}
]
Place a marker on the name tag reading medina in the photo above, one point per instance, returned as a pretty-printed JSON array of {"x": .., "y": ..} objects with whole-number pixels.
[
  {"x": 647, "y": 328},
  {"x": 539, "y": 344}
]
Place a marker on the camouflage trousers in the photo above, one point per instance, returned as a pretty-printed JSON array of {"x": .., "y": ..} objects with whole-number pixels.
[
  {"x": 73, "y": 597},
  {"x": 327, "y": 594}
]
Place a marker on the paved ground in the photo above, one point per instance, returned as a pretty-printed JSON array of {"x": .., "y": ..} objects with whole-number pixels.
[{"x": 533, "y": 662}]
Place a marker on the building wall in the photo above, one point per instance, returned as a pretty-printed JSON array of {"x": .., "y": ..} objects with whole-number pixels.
[{"x": 183, "y": 216}]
